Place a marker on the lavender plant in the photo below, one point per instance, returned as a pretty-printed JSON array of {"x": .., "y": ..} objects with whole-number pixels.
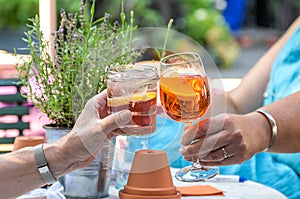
[{"x": 84, "y": 50}]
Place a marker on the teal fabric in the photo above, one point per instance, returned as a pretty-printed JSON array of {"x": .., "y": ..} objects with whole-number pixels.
[
  {"x": 167, "y": 138},
  {"x": 280, "y": 171}
]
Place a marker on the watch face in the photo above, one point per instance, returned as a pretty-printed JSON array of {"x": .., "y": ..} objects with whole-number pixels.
[{"x": 44, "y": 169}]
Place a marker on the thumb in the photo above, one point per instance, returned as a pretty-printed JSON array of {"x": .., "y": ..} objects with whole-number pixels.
[{"x": 114, "y": 121}]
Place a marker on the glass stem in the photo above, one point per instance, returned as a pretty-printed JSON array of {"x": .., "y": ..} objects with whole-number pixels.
[{"x": 196, "y": 164}]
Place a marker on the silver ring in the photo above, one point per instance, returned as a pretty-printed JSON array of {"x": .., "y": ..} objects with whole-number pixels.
[
  {"x": 194, "y": 141},
  {"x": 225, "y": 154}
]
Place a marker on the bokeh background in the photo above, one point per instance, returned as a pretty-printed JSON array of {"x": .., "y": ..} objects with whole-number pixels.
[{"x": 235, "y": 32}]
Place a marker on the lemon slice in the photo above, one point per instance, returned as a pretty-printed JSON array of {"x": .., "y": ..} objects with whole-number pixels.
[{"x": 123, "y": 100}]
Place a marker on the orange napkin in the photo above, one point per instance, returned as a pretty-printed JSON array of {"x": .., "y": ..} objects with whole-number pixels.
[{"x": 200, "y": 190}]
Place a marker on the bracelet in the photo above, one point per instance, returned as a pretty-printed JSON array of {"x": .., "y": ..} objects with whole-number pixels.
[
  {"x": 42, "y": 165},
  {"x": 273, "y": 125}
]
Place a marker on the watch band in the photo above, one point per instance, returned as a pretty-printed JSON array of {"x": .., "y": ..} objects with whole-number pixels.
[
  {"x": 273, "y": 125},
  {"x": 42, "y": 165}
]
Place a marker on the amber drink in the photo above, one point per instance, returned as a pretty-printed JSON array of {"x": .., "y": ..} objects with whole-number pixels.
[
  {"x": 184, "y": 89},
  {"x": 134, "y": 87},
  {"x": 185, "y": 98}
]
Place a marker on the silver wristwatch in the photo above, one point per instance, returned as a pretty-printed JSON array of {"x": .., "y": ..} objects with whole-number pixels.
[{"x": 42, "y": 165}]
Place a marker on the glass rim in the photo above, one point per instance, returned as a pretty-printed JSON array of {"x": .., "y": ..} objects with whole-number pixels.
[
  {"x": 150, "y": 72},
  {"x": 195, "y": 57}
]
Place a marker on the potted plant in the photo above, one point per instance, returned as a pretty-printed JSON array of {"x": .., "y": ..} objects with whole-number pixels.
[{"x": 84, "y": 49}]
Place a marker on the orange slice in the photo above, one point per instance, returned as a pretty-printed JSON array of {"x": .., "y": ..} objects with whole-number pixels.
[
  {"x": 123, "y": 100},
  {"x": 178, "y": 86}
]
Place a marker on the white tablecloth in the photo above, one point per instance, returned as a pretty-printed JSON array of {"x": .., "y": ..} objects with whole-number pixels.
[{"x": 232, "y": 190}]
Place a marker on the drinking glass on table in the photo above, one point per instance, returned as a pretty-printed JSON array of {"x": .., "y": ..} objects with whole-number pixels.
[{"x": 185, "y": 97}]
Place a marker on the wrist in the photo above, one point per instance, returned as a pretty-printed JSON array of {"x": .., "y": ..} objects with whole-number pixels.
[
  {"x": 42, "y": 165},
  {"x": 67, "y": 154},
  {"x": 272, "y": 126},
  {"x": 260, "y": 131},
  {"x": 57, "y": 159}
]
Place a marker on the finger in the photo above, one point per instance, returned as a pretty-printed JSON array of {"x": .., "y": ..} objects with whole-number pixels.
[
  {"x": 203, "y": 129},
  {"x": 229, "y": 142},
  {"x": 207, "y": 149},
  {"x": 204, "y": 145},
  {"x": 195, "y": 132},
  {"x": 100, "y": 96},
  {"x": 218, "y": 155},
  {"x": 226, "y": 156},
  {"x": 101, "y": 104},
  {"x": 114, "y": 121},
  {"x": 96, "y": 106},
  {"x": 228, "y": 161},
  {"x": 236, "y": 150},
  {"x": 189, "y": 134},
  {"x": 237, "y": 158}
]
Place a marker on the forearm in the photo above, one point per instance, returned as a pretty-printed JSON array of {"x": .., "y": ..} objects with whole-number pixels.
[
  {"x": 18, "y": 170},
  {"x": 227, "y": 102},
  {"x": 286, "y": 113},
  {"x": 18, "y": 173},
  {"x": 221, "y": 103},
  {"x": 248, "y": 96}
]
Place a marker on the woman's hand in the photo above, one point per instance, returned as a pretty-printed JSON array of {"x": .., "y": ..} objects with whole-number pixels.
[
  {"x": 92, "y": 129},
  {"x": 225, "y": 139}
]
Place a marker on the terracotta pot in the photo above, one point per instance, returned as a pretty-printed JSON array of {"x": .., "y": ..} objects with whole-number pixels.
[
  {"x": 150, "y": 177},
  {"x": 24, "y": 141},
  {"x": 123, "y": 195}
]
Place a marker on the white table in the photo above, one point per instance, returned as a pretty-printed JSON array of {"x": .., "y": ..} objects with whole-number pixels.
[
  {"x": 232, "y": 190},
  {"x": 247, "y": 189}
]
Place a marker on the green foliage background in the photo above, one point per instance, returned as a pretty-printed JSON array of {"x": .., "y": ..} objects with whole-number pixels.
[
  {"x": 198, "y": 19},
  {"x": 15, "y": 13}
]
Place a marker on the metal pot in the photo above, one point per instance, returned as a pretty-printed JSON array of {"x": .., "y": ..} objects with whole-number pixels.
[{"x": 92, "y": 181}]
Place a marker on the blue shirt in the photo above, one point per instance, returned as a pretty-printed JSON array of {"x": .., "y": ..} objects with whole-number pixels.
[{"x": 280, "y": 171}]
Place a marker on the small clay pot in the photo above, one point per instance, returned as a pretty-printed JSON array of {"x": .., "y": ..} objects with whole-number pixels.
[
  {"x": 123, "y": 195},
  {"x": 24, "y": 141},
  {"x": 150, "y": 177}
]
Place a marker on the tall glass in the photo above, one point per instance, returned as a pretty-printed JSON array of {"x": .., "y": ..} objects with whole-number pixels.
[
  {"x": 185, "y": 97},
  {"x": 134, "y": 87}
]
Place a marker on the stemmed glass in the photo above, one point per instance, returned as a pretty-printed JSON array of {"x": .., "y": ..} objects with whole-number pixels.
[{"x": 185, "y": 97}]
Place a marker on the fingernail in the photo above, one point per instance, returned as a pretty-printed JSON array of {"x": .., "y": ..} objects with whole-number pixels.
[{"x": 125, "y": 116}]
